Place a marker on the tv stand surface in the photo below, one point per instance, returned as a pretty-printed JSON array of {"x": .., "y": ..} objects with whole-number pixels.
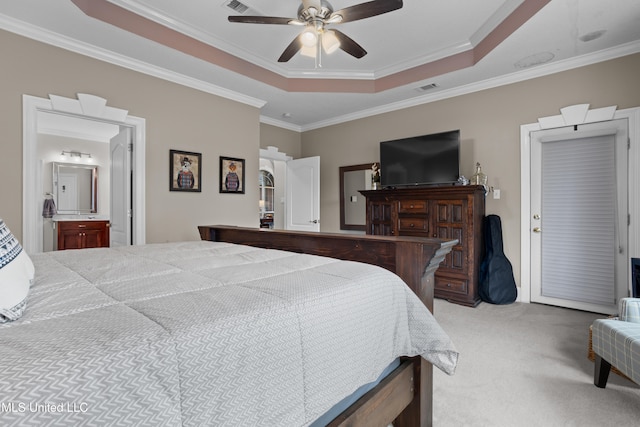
[{"x": 444, "y": 212}]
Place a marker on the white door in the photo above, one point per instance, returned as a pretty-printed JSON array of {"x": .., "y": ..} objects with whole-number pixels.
[
  {"x": 579, "y": 211},
  {"x": 121, "y": 215},
  {"x": 302, "y": 199},
  {"x": 67, "y": 192}
]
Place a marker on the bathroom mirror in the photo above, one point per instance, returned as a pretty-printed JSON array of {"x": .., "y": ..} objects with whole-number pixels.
[
  {"x": 353, "y": 206},
  {"x": 75, "y": 188}
]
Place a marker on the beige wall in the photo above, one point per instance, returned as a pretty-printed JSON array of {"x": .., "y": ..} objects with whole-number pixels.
[
  {"x": 287, "y": 141},
  {"x": 176, "y": 118},
  {"x": 489, "y": 122},
  {"x": 181, "y": 118}
]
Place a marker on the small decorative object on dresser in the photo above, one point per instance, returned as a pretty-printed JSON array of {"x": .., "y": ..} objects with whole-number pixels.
[
  {"x": 480, "y": 178},
  {"x": 444, "y": 212},
  {"x": 375, "y": 177}
]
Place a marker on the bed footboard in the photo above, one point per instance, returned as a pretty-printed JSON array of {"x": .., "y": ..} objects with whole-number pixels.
[
  {"x": 414, "y": 259},
  {"x": 406, "y": 394}
]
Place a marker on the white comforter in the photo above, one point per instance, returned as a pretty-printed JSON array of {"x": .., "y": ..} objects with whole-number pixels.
[{"x": 204, "y": 333}]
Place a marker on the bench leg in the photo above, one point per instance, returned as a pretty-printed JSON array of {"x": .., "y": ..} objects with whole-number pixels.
[{"x": 601, "y": 372}]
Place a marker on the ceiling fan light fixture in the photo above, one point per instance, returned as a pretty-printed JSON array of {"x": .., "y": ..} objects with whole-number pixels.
[
  {"x": 309, "y": 38},
  {"x": 330, "y": 42},
  {"x": 316, "y": 15},
  {"x": 309, "y": 51}
]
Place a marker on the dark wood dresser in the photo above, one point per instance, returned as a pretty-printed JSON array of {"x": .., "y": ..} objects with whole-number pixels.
[{"x": 443, "y": 212}]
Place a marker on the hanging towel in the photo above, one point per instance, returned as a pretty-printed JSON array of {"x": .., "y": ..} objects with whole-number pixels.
[{"x": 49, "y": 208}]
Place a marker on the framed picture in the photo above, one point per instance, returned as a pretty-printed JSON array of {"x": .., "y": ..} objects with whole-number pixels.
[
  {"x": 231, "y": 175},
  {"x": 185, "y": 171}
]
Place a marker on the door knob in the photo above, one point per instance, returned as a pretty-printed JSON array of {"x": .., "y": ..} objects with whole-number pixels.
[{"x": 537, "y": 229}]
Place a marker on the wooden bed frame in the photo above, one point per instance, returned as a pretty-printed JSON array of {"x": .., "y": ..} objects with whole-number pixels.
[{"x": 405, "y": 397}]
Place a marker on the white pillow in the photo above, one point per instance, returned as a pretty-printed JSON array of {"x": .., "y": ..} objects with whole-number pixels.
[{"x": 16, "y": 276}]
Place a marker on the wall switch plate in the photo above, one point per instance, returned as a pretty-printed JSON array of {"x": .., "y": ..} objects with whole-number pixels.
[{"x": 496, "y": 193}]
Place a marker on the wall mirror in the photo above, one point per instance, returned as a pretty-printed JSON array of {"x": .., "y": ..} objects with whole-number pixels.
[
  {"x": 75, "y": 188},
  {"x": 353, "y": 206}
]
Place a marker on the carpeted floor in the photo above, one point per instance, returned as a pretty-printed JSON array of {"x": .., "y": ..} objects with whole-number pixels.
[{"x": 526, "y": 365}]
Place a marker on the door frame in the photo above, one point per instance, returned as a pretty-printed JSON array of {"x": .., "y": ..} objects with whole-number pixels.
[
  {"x": 279, "y": 161},
  {"x": 87, "y": 107},
  {"x": 633, "y": 117}
]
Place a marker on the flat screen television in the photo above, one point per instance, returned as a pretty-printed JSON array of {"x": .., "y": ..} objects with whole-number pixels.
[{"x": 420, "y": 160}]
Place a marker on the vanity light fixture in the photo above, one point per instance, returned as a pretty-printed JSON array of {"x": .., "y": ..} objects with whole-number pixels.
[{"x": 76, "y": 156}]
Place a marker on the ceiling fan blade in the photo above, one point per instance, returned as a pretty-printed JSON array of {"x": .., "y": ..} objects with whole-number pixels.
[
  {"x": 349, "y": 45},
  {"x": 368, "y": 9},
  {"x": 261, "y": 20},
  {"x": 291, "y": 50}
]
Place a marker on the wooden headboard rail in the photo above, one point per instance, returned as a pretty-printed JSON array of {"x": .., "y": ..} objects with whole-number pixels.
[
  {"x": 414, "y": 259},
  {"x": 405, "y": 396}
]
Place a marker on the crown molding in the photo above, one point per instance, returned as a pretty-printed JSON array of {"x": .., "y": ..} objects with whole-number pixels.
[
  {"x": 279, "y": 123},
  {"x": 532, "y": 73},
  {"x": 72, "y": 45},
  {"x": 54, "y": 39}
]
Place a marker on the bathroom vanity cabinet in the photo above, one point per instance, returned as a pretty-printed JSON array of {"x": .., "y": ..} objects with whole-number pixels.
[{"x": 82, "y": 234}]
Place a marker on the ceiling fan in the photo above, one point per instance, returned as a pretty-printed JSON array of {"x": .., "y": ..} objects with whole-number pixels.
[{"x": 315, "y": 16}]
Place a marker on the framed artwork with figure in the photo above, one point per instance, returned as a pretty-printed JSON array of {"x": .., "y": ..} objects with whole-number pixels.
[
  {"x": 231, "y": 175},
  {"x": 185, "y": 171}
]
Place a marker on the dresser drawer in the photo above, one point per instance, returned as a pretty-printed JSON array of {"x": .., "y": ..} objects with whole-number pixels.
[
  {"x": 82, "y": 225},
  {"x": 413, "y": 224},
  {"x": 448, "y": 284},
  {"x": 413, "y": 206}
]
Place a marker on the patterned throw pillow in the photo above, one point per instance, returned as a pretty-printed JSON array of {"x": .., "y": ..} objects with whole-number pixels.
[{"x": 16, "y": 275}]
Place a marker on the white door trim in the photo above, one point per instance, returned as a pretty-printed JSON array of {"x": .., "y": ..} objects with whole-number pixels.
[
  {"x": 86, "y": 107},
  {"x": 120, "y": 188},
  {"x": 633, "y": 117}
]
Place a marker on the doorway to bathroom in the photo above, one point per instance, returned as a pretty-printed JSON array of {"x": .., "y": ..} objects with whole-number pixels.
[{"x": 126, "y": 191}]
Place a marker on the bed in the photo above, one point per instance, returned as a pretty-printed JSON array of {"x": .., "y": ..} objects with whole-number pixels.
[{"x": 224, "y": 332}]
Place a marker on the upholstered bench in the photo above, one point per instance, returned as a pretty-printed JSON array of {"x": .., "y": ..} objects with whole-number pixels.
[{"x": 617, "y": 342}]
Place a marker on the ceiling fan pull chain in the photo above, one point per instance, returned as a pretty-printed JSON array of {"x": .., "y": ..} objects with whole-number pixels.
[{"x": 319, "y": 51}]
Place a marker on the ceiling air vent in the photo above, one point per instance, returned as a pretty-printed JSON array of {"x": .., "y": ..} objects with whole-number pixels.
[
  {"x": 237, "y": 6},
  {"x": 427, "y": 87}
]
